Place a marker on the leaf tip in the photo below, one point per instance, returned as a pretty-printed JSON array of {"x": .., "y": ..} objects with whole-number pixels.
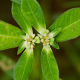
[
  {"x": 58, "y": 48},
  {"x": 18, "y": 52}
]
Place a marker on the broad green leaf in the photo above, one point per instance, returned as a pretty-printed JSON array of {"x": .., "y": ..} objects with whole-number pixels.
[
  {"x": 20, "y": 19},
  {"x": 49, "y": 65},
  {"x": 70, "y": 23},
  {"x": 17, "y": 1},
  {"x": 24, "y": 65},
  {"x": 33, "y": 13},
  {"x": 21, "y": 47},
  {"x": 9, "y": 36},
  {"x": 54, "y": 32}
]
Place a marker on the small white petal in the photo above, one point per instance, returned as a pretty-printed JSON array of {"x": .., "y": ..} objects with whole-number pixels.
[
  {"x": 47, "y": 40},
  {"x": 33, "y": 41},
  {"x": 42, "y": 40},
  {"x": 32, "y": 46},
  {"x": 43, "y": 44},
  {"x": 28, "y": 42},
  {"x": 47, "y": 37},
  {"x": 45, "y": 34},
  {"x": 33, "y": 35},
  {"x": 28, "y": 37}
]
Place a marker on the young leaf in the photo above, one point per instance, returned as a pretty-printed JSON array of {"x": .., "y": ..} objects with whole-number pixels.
[
  {"x": 9, "y": 36},
  {"x": 70, "y": 23},
  {"x": 24, "y": 65},
  {"x": 55, "y": 45},
  {"x": 33, "y": 13},
  {"x": 54, "y": 32},
  {"x": 21, "y": 47},
  {"x": 17, "y": 1},
  {"x": 37, "y": 40},
  {"x": 17, "y": 14},
  {"x": 51, "y": 40},
  {"x": 49, "y": 65}
]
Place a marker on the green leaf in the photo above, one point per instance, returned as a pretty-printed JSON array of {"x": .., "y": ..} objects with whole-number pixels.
[
  {"x": 9, "y": 36},
  {"x": 17, "y": 1},
  {"x": 51, "y": 40},
  {"x": 70, "y": 23},
  {"x": 21, "y": 47},
  {"x": 49, "y": 65},
  {"x": 37, "y": 40},
  {"x": 55, "y": 45},
  {"x": 54, "y": 32},
  {"x": 17, "y": 14},
  {"x": 24, "y": 65},
  {"x": 33, "y": 13}
]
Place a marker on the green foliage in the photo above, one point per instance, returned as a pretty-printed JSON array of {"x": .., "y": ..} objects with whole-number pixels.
[
  {"x": 37, "y": 40},
  {"x": 49, "y": 65},
  {"x": 55, "y": 45},
  {"x": 17, "y": 1},
  {"x": 21, "y": 47},
  {"x": 54, "y": 32},
  {"x": 33, "y": 13},
  {"x": 24, "y": 65},
  {"x": 18, "y": 16},
  {"x": 28, "y": 13},
  {"x": 9, "y": 36},
  {"x": 69, "y": 22}
]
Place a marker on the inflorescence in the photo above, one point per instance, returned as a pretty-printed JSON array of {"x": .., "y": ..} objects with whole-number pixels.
[{"x": 30, "y": 41}]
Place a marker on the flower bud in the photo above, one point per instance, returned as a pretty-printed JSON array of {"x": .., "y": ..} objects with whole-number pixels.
[
  {"x": 32, "y": 46},
  {"x": 33, "y": 41},
  {"x": 42, "y": 40},
  {"x": 45, "y": 34},
  {"x": 43, "y": 44}
]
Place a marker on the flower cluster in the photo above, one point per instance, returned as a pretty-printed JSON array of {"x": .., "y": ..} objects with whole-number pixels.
[
  {"x": 30, "y": 41},
  {"x": 44, "y": 39}
]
